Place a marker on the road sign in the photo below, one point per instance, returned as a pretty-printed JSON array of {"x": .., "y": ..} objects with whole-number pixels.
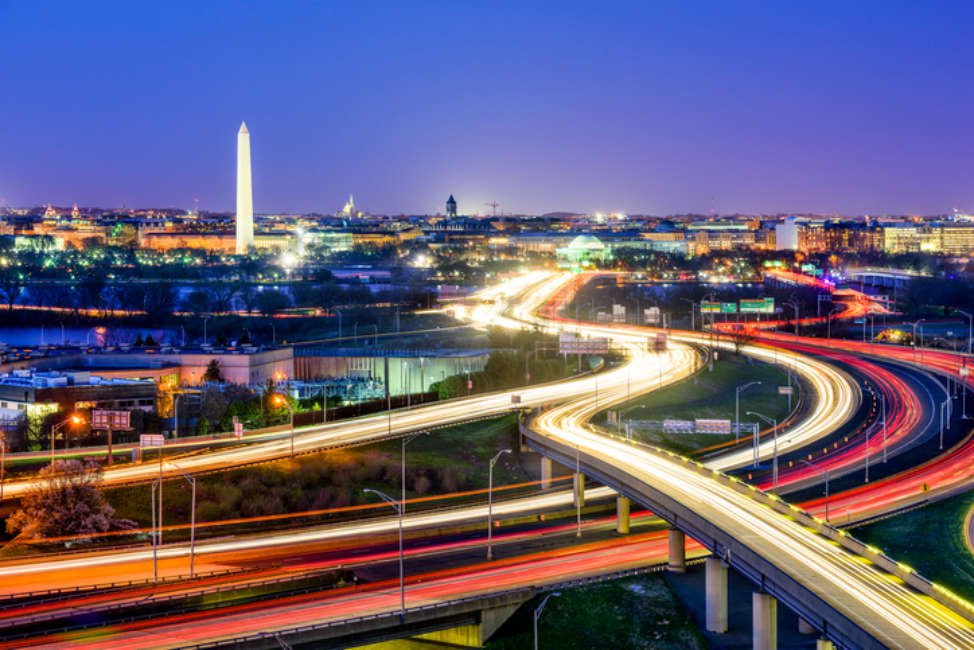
[
  {"x": 709, "y": 307},
  {"x": 785, "y": 390},
  {"x": 678, "y": 426},
  {"x": 151, "y": 440},
  {"x": 651, "y": 316},
  {"x": 716, "y": 427},
  {"x": 728, "y": 307},
  {"x": 618, "y": 313},
  {"x": 570, "y": 344},
  {"x": 115, "y": 420},
  {"x": 757, "y": 306}
]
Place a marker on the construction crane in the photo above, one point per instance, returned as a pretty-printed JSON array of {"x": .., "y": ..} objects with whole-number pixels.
[{"x": 493, "y": 207}]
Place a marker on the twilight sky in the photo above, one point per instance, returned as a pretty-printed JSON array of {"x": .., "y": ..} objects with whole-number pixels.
[{"x": 644, "y": 107}]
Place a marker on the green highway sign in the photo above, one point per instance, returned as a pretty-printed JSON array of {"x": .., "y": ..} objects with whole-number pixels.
[
  {"x": 707, "y": 307},
  {"x": 757, "y": 306},
  {"x": 728, "y": 307}
]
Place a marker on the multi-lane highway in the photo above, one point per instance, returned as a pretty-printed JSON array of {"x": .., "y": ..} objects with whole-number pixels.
[
  {"x": 855, "y": 587},
  {"x": 889, "y": 611}
]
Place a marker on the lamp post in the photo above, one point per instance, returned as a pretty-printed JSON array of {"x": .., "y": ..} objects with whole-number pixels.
[
  {"x": 829, "y": 321},
  {"x": 192, "y": 518},
  {"x": 578, "y": 492},
  {"x": 882, "y": 400},
  {"x": 737, "y": 406},
  {"x": 826, "y": 473},
  {"x": 915, "y": 324},
  {"x": 970, "y": 328},
  {"x": 963, "y": 372},
  {"x": 280, "y": 400},
  {"x": 3, "y": 462},
  {"x": 537, "y": 614},
  {"x": 490, "y": 502},
  {"x": 774, "y": 429},
  {"x": 73, "y": 419},
  {"x": 944, "y": 408},
  {"x": 793, "y": 303},
  {"x": 156, "y": 484},
  {"x": 402, "y": 460},
  {"x": 175, "y": 415},
  {"x": 693, "y": 324},
  {"x": 402, "y": 582}
]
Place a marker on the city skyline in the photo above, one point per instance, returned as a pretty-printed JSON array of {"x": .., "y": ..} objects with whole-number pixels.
[{"x": 650, "y": 110}]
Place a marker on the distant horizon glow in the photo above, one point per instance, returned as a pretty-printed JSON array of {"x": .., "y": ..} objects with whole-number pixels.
[{"x": 705, "y": 107}]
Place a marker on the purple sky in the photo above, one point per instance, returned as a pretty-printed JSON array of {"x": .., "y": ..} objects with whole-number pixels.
[{"x": 649, "y": 107}]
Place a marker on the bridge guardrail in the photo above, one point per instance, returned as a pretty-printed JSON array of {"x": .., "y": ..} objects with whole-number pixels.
[{"x": 902, "y": 571}]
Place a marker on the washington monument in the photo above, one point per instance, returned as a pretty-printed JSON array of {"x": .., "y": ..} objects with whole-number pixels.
[{"x": 245, "y": 193}]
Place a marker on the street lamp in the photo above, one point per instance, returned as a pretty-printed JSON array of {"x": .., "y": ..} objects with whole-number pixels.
[
  {"x": 205, "y": 318},
  {"x": 826, "y": 473},
  {"x": 537, "y": 614},
  {"x": 829, "y": 320},
  {"x": 490, "y": 502},
  {"x": 73, "y": 419},
  {"x": 963, "y": 372},
  {"x": 192, "y": 518},
  {"x": 915, "y": 338},
  {"x": 402, "y": 460},
  {"x": 280, "y": 400},
  {"x": 402, "y": 583},
  {"x": 774, "y": 428},
  {"x": 793, "y": 303},
  {"x": 3, "y": 461},
  {"x": 737, "y": 406},
  {"x": 693, "y": 304},
  {"x": 944, "y": 408},
  {"x": 970, "y": 328}
]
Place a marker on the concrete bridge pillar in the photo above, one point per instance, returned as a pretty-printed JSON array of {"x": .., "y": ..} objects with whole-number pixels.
[
  {"x": 824, "y": 644},
  {"x": 677, "y": 551},
  {"x": 545, "y": 473},
  {"x": 804, "y": 627},
  {"x": 764, "y": 618},
  {"x": 578, "y": 490},
  {"x": 716, "y": 590},
  {"x": 622, "y": 515}
]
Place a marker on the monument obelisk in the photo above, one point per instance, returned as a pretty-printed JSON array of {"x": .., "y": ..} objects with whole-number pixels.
[{"x": 245, "y": 193}]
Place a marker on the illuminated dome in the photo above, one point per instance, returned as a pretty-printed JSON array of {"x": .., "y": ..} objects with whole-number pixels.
[
  {"x": 584, "y": 251},
  {"x": 586, "y": 243}
]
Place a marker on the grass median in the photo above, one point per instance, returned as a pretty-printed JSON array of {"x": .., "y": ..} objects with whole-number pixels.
[{"x": 710, "y": 395}]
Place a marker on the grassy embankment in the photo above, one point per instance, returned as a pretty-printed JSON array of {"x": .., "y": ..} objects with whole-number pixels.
[
  {"x": 443, "y": 461},
  {"x": 931, "y": 540},
  {"x": 710, "y": 395},
  {"x": 631, "y": 613}
]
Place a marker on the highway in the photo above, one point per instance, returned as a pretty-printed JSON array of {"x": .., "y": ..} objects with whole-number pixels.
[
  {"x": 881, "y": 605},
  {"x": 283, "y": 614},
  {"x": 834, "y": 396},
  {"x": 816, "y": 559}
]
